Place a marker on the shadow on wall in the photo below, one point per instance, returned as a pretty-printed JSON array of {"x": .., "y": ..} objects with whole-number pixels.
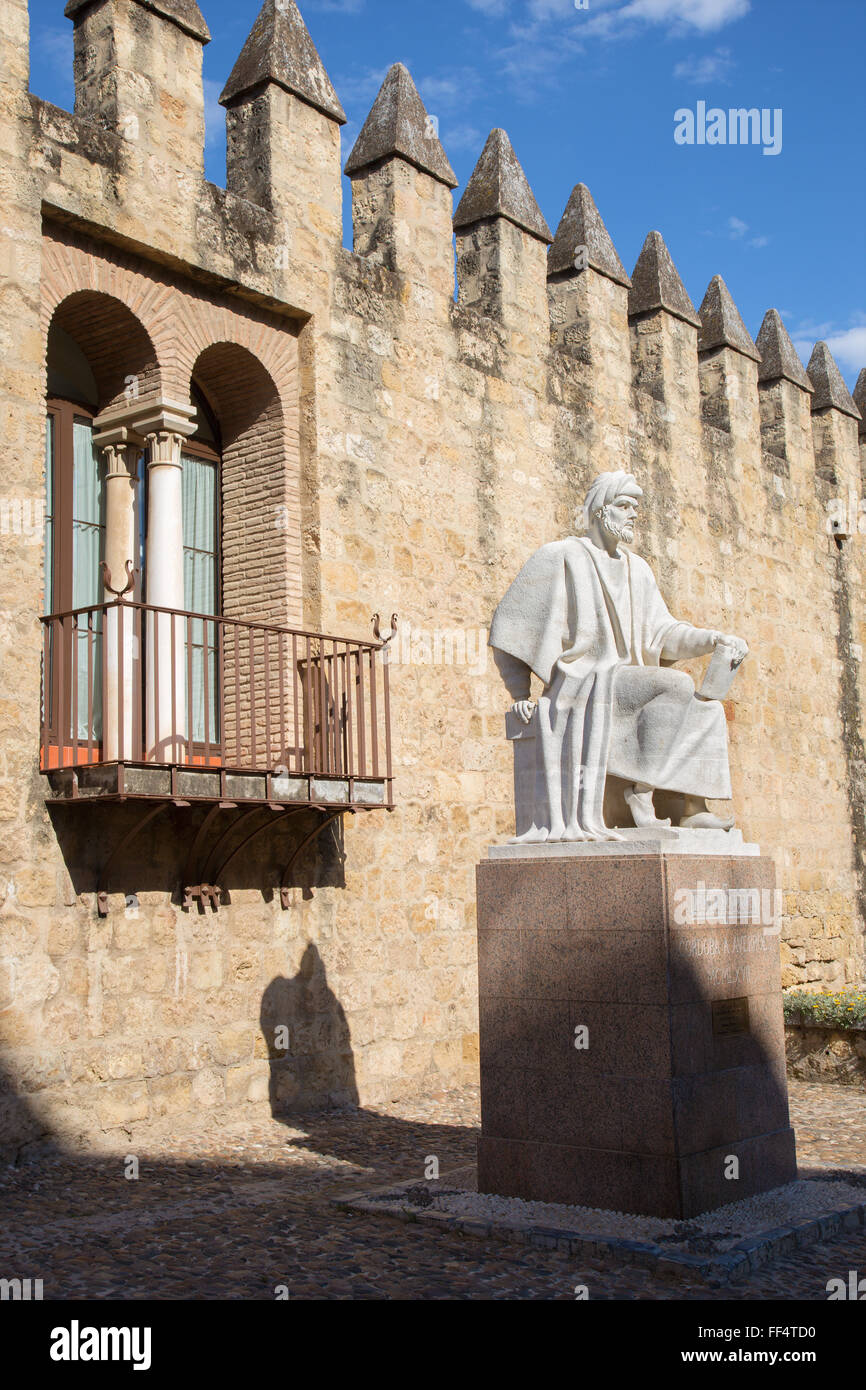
[
  {"x": 21, "y": 1129},
  {"x": 308, "y": 1041}
]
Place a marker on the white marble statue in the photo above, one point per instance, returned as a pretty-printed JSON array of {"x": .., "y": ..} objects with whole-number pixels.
[{"x": 586, "y": 616}]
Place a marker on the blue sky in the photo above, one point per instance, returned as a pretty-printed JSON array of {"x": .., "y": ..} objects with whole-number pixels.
[{"x": 589, "y": 95}]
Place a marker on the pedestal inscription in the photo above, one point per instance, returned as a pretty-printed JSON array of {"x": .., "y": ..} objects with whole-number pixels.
[
  {"x": 730, "y": 1016},
  {"x": 632, "y": 1049}
]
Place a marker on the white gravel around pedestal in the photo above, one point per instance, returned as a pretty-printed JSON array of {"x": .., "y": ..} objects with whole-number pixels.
[{"x": 804, "y": 1200}]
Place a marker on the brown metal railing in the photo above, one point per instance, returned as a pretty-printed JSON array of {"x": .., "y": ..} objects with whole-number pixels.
[{"x": 133, "y": 683}]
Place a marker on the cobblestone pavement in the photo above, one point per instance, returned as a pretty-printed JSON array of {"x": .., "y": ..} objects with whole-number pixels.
[{"x": 234, "y": 1212}]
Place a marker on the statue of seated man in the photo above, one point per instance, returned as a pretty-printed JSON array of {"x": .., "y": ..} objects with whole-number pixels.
[{"x": 587, "y": 617}]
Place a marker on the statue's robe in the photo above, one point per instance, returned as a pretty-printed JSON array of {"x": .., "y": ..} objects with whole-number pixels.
[{"x": 595, "y": 630}]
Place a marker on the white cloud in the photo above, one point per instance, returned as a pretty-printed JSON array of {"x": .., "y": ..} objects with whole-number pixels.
[
  {"x": 704, "y": 15},
  {"x": 335, "y": 6},
  {"x": 712, "y": 67},
  {"x": 361, "y": 87},
  {"x": 462, "y": 137},
  {"x": 452, "y": 90},
  {"x": 551, "y": 9},
  {"x": 542, "y": 10},
  {"x": 543, "y": 35},
  {"x": 611, "y": 16},
  {"x": 614, "y": 18},
  {"x": 534, "y": 57},
  {"x": 494, "y": 9},
  {"x": 214, "y": 115},
  {"x": 57, "y": 44},
  {"x": 348, "y": 135},
  {"x": 848, "y": 345},
  {"x": 53, "y": 79},
  {"x": 735, "y": 229}
]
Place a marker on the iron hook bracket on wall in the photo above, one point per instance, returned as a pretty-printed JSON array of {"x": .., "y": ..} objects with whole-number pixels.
[
  {"x": 130, "y": 579},
  {"x": 377, "y": 631}
]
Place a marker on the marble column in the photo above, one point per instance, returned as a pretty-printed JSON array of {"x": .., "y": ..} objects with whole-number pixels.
[
  {"x": 166, "y": 713},
  {"x": 122, "y": 651}
]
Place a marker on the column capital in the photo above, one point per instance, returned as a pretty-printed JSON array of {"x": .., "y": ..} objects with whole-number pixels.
[
  {"x": 134, "y": 421},
  {"x": 121, "y": 456},
  {"x": 165, "y": 427},
  {"x": 165, "y": 447}
]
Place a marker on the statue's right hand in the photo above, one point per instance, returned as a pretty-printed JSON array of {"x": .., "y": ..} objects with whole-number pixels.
[{"x": 524, "y": 709}]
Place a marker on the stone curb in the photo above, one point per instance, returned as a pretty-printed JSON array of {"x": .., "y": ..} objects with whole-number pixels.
[
  {"x": 807, "y": 1024},
  {"x": 737, "y": 1263}
]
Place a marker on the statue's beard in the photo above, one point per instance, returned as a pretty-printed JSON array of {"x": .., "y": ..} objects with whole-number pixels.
[{"x": 625, "y": 532}]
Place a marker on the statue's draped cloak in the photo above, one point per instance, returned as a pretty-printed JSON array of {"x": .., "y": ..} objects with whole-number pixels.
[{"x": 577, "y": 620}]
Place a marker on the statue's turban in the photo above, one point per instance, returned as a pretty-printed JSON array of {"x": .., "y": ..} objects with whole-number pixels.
[{"x": 606, "y": 488}]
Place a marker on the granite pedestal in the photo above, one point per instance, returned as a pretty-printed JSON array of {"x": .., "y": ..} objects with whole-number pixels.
[{"x": 631, "y": 1032}]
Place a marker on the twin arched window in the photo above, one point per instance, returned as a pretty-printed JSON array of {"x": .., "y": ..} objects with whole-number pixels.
[
  {"x": 75, "y": 512},
  {"x": 75, "y": 501}
]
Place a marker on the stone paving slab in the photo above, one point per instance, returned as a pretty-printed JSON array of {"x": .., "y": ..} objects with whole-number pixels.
[
  {"x": 232, "y": 1210},
  {"x": 720, "y": 1260}
]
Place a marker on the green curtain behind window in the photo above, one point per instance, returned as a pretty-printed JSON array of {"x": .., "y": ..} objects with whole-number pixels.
[
  {"x": 88, "y": 549},
  {"x": 200, "y": 589},
  {"x": 48, "y": 564},
  {"x": 48, "y": 572}
]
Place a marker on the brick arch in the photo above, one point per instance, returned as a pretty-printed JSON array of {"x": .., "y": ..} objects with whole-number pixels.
[
  {"x": 113, "y": 340},
  {"x": 260, "y": 519},
  {"x": 241, "y": 391},
  {"x": 205, "y": 324},
  {"x": 105, "y": 301},
  {"x": 180, "y": 317},
  {"x": 190, "y": 326}
]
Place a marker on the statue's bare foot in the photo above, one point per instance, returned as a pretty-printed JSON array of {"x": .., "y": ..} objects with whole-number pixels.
[
  {"x": 604, "y": 833},
  {"x": 536, "y": 835},
  {"x": 705, "y": 820},
  {"x": 574, "y": 832},
  {"x": 640, "y": 803}
]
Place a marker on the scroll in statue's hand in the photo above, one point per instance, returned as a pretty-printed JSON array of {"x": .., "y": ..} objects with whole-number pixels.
[
  {"x": 524, "y": 709},
  {"x": 739, "y": 648},
  {"x": 729, "y": 653}
]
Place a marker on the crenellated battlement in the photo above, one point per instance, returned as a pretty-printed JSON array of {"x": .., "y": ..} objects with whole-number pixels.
[
  {"x": 138, "y": 80},
  {"x": 138, "y": 74},
  {"x": 440, "y": 395}
]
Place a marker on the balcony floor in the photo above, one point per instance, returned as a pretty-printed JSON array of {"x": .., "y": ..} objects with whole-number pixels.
[{"x": 211, "y": 786}]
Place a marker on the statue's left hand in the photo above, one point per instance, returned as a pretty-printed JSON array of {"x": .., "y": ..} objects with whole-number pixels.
[
  {"x": 524, "y": 709},
  {"x": 740, "y": 648}
]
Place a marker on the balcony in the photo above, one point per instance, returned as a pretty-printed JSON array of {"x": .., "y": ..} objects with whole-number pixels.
[{"x": 142, "y": 702}]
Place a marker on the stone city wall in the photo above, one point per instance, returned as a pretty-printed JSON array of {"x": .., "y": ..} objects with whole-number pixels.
[{"x": 392, "y": 448}]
